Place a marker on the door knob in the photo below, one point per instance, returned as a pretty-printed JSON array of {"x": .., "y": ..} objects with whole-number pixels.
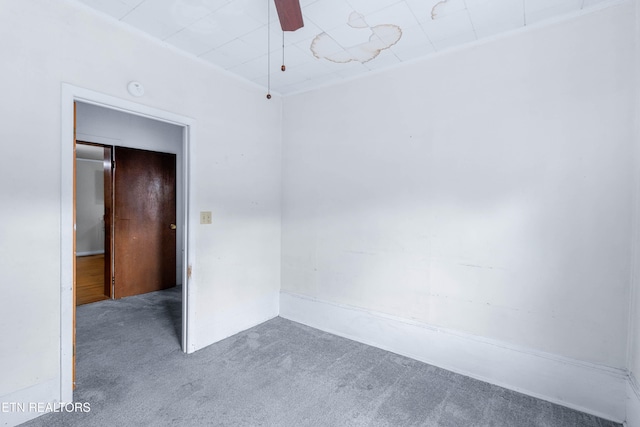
[{"x": 173, "y": 226}]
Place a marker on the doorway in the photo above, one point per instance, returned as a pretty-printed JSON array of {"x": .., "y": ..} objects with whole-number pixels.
[
  {"x": 138, "y": 253},
  {"x": 70, "y": 95},
  {"x": 93, "y": 230}
]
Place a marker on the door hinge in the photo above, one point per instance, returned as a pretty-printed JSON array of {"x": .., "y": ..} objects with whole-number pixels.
[{"x": 189, "y": 270}]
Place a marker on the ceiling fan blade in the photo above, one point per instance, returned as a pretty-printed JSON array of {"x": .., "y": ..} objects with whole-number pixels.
[{"x": 290, "y": 14}]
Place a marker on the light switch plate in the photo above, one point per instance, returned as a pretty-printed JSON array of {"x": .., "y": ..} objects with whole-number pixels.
[{"x": 205, "y": 217}]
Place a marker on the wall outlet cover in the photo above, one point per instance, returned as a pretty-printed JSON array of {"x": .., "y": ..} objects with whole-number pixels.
[{"x": 205, "y": 217}]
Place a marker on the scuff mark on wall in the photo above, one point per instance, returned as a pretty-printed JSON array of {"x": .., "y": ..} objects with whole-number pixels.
[{"x": 382, "y": 37}]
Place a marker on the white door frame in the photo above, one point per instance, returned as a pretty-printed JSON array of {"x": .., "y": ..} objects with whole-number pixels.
[{"x": 70, "y": 94}]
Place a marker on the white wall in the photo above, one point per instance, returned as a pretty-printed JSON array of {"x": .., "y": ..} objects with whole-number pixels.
[
  {"x": 89, "y": 207},
  {"x": 486, "y": 190},
  {"x": 235, "y": 172},
  {"x": 110, "y": 127},
  {"x": 633, "y": 389}
]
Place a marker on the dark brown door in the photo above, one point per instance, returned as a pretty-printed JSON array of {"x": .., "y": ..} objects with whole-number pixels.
[{"x": 145, "y": 217}]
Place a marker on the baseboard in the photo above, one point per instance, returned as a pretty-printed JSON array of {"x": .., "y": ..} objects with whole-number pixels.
[
  {"x": 633, "y": 402},
  {"x": 594, "y": 389},
  {"x": 87, "y": 253},
  {"x": 17, "y": 407}
]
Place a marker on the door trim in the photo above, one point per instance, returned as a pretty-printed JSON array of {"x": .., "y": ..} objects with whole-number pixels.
[
  {"x": 70, "y": 94},
  {"x": 107, "y": 174}
]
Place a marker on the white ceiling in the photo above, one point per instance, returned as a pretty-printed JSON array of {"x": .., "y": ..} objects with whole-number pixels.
[{"x": 352, "y": 37}]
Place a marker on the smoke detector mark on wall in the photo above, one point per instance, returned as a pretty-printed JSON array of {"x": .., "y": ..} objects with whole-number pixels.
[{"x": 381, "y": 37}]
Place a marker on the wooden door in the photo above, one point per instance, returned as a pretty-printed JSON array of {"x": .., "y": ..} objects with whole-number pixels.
[{"x": 144, "y": 207}]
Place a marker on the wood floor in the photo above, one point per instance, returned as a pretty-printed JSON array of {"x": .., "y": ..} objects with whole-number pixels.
[{"x": 90, "y": 279}]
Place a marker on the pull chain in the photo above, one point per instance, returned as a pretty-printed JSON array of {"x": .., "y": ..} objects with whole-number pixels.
[
  {"x": 283, "y": 68},
  {"x": 268, "y": 49}
]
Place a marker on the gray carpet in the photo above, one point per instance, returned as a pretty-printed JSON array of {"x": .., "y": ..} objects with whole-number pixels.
[{"x": 131, "y": 370}]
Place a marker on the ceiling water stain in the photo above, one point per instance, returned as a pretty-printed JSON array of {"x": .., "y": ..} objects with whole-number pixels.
[
  {"x": 434, "y": 9},
  {"x": 445, "y": 7},
  {"x": 381, "y": 37}
]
